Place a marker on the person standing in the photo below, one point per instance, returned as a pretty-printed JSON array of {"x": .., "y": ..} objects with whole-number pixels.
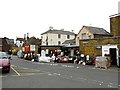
[
  {"x": 10, "y": 54},
  {"x": 35, "y": 58}
]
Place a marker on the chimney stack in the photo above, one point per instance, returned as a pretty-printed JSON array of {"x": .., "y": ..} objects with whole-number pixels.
[
  {"x": 24, "y": 36},
  {"x": 62, "y": 29},
  {"x": 72, "y": 30},
  {"x": 50, "y": 28},
  {"x": 27, "y": 36}
]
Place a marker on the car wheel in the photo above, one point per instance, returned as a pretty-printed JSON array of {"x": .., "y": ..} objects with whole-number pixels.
[
  {"x": 5, "y": 71},
  {"x": 58, "y": 60},
  {"x": 8, "y": 70}
]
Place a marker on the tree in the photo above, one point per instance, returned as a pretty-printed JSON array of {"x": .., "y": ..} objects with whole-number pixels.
[{"x": 35, "y": 41}]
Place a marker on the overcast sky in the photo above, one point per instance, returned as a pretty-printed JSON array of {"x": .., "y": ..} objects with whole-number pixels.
[{"x": 17, "y": 17}]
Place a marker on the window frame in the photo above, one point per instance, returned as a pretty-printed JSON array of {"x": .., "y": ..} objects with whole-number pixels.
[
  {"x": 68, "y": 36},
  {"x": 59, "y": 42},
  {"x": 59, "y": 35}
]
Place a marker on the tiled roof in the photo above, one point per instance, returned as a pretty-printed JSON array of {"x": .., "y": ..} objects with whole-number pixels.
[
  {"x": 10, "y": 41},
  {"x": 20, "y": 39},
  {"x": 97, "y": 30},
  {"x": 59, "y": 32},
  {"x": 115, "y": 15},
  {"x": 71, "y": 42}
]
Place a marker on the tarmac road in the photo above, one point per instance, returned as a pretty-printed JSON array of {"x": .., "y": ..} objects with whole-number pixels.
[{"x": 28, "y": 74}]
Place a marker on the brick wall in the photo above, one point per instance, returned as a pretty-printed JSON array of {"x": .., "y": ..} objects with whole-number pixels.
[
  {"x": 94, "y": 46},
  {"x": 115, "y": 25}
]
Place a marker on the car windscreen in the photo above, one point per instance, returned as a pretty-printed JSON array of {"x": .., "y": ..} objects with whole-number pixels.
[{"x": 3, "y": 55}]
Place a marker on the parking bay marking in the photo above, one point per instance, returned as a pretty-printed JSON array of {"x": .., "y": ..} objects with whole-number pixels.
[
  {"x": 21, "y": 71},
  {"x": 15, "y": 71}
]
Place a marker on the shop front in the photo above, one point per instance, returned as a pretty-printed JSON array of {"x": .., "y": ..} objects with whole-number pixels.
[{"x": 113, "y": 51}]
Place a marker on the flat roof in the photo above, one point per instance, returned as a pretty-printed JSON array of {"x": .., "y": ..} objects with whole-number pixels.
[{"x": 115, "y": 15}]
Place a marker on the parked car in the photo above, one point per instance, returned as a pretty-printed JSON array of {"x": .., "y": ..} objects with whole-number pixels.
[
  {"x": 4, "y": 62},
  {"x": 62, "y": 59},
  {"x": 71, "y": 59},
  {"x": 89, "y": 62}
]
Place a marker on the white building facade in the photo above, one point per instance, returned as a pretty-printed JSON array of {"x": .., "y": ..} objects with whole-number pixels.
[
  {"x": 19, "y": 42},
  {"x": 56, "y": 37}
]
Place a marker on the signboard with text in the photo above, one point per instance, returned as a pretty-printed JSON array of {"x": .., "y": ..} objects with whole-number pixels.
[{"x": 32, "y": 47}]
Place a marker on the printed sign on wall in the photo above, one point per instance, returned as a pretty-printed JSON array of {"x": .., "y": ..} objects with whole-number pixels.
[{"x": 32, "y": 47}]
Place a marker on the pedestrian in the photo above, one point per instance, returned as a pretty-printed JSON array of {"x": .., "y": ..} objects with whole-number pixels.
[
  {"x": 82, "y": 58},
  {"x": 35, "y": 58},
  {"x": 75, "y": 60},
  {"x": 51, "y": 53},
  {"x": 94, "y": 59},
  {"x": 10, "y": 54},
  {"x": 78, "y": 58},
  {"x": 53, "y": 57}
]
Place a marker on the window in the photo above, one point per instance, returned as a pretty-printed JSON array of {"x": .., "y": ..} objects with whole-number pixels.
[
  {"x": 59, "y": 42},
  {"x": 68, "y": 36},
  {"x": 41, "y": 37},
  {"x": 84, "y": 36},
  {"x": 59, "y": 36},
  {"x": 90, "y": 37},
  {"x": 3, "y": 55}
]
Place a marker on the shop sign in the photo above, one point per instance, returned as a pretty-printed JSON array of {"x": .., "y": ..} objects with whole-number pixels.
[
  {"x": 98, "y": 47},
  {"x": 32, "y": 47}
]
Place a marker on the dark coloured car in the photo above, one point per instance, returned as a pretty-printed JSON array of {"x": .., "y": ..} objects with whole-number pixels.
[
  {"x": 71, "y": 59},
  {"x": 4, "y": 62}
]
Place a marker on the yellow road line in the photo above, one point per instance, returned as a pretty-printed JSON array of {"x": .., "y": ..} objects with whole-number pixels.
[{"x": 15, "y": 71}]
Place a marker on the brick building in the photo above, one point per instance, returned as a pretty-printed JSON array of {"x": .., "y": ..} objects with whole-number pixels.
[
  {"x": 115, "y": 24},
  {"x": 6, "y": 44},
  {"x": 97, "y": 45}
]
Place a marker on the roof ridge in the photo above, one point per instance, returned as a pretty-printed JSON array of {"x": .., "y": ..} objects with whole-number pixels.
[
  {"x": 60, "y": 32},
  {"x": 97, "y": 30},
  {"x": 94, "y": 27}
]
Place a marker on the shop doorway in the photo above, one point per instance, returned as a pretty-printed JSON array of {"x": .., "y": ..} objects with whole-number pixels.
[{"x": 113, "y": 54}]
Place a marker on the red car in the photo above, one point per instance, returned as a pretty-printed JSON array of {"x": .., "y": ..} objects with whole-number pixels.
[
  {"x": 4, "y": 62},
  {"x": 62, "y": 59}
]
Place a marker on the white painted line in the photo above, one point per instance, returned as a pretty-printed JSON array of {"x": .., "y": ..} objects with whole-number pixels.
[
  {"x": 109, "y": 86},
  {"x": 15, "y": 71},
  {"x": 57, "y": 74},
  {"x": 2, "y": 76},
  {"x": 50, "y": 74}
]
